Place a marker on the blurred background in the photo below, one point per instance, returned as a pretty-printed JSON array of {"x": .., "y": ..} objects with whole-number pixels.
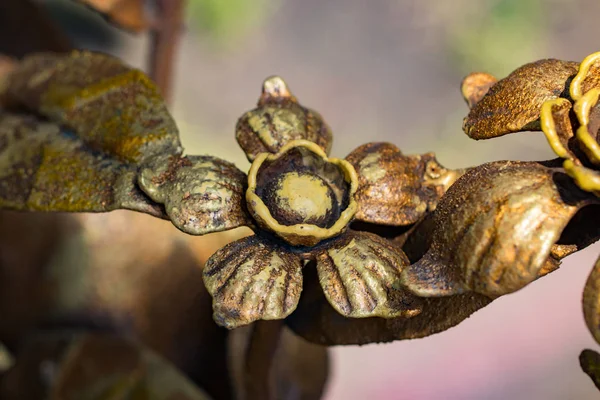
[{"x": 388, "y": 70}]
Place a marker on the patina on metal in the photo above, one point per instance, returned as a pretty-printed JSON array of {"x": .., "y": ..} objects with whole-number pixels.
[{"x": 111, "y": 137}]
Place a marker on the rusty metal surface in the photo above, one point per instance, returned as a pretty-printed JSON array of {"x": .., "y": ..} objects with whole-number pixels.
[
  {"x": 278, "y": 119},
  {"x": 513, "y": 103},
  {"x": 395, "y": 189}
]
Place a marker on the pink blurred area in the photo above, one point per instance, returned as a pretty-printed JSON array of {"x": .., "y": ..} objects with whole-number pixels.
[{"x": 390, "y": 71}]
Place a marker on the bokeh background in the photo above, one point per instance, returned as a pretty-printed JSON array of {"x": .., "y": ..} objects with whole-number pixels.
[{"x": 390, "y": 70}]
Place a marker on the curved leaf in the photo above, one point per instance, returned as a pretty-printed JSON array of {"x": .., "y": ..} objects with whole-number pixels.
[
  {"x": 113, "y": 108},
  {"x": 497, "y": 230},
  {"x": 252, "y": 279},
  {"x": 395, "y": 189},
  {"x": 360, "y": 276},
  {"x": 201, "y": 194},
  {"x": 513, "y": 103},
  {"x": 44, "y": 167}
]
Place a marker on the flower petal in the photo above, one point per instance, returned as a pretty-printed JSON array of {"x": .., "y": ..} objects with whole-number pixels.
[
  {"x": 513, "y": 103},
  {"x": 201, "y": 194},
  {"x": 395, "y": 189},
  {"x": 316, "y": 321},
  {"x": 360, "y": 275},
  {"x": 47, "y": 169},
  {"x": 252, "y": 279},
  {"x": 475, "y": 86},
  {"x": 113, "y": 108},
  {"x": 277, "y": 120},
  {"x": 497, "y": 230},
  {"x": 591, "y": 301}
]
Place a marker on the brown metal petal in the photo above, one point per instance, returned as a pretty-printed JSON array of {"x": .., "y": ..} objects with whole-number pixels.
[
  {"x": 395, "y": 189},
  {"x": 496, "y": 230},
  {"x": 360, "y": 276},
  {"x": 475, "y": 86},
  {"x": 513, "y": 103},
  {"x": 45, "y": 168},
  {"x": 113, "y": 108},
  {"x": 591, "y": 301},
  {"x": 316, "y": 321},
  {"x": 277, "y": 120},
  {"x": 201, "y": 194},
  {"x": 93, "y": 366},
  {"x": 252, "y": 279}
]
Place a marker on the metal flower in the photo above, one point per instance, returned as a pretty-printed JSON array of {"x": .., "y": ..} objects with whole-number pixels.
[
  {"x": 523, "y": 218},
  {"x": 110, "y": 143}
]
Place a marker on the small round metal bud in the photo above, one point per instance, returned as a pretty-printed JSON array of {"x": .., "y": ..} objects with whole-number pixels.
[{"x": 301, "y": 198}]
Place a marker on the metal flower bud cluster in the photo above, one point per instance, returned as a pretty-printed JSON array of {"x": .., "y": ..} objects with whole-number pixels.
[{"x": 372, "y": 247}]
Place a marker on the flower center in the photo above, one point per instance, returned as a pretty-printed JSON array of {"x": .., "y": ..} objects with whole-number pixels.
[
  {"x": 301, "y": 198},
  {"x": 300, "y": 194}
]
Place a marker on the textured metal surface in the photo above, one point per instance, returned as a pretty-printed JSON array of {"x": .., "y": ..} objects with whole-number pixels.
[
  {"x": 394, "y": 189},
  {"x": 252, "y": 279},
  {"x": 44, "y": 168},
  {"x": 201, "y": 194},
  {"x": 321, "y": 208},
  {"x": 495, "y": 231},
  {"x": 278, "y": 119},
  {"x": 360, "y": 276},
  {"x": 113, "y": 108},
  {"x": 316, "y": 321},
  {"x": 513, "y": 103},
  {"x": 475, "y": 85}
]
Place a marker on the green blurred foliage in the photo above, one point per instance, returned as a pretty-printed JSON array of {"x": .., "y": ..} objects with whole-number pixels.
[
  {"x": 499, "y": 34},
  {"x": 226, "y": 21}
]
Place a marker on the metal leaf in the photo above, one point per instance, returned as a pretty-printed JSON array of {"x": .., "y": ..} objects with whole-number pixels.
[
  {"x": 252, "y": 279},
  {"x": 113, "y": 108},
  {"x": 360, "y": 276},
  {"x": 395, "y": 189},
  {"x": 44, "y": 167},
  {"x": 316, "y": 321},
  {"x": 93, "y": 367},
  {"x": 497, "y": 229},
  {"x": 513, "y": 103},
  {"x": 201, "y": 194}
]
